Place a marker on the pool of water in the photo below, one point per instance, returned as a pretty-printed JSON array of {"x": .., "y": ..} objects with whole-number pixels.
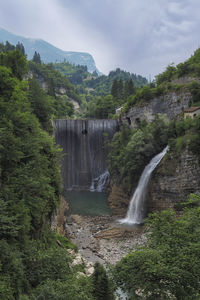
[{"x": 87, "y": 203}]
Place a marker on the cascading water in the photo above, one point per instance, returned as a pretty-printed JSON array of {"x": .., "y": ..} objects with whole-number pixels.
[
  {"x": 83, "y": 144},
  {"x": 100, "y": 183},
  {"x": 136, "y": 210}
]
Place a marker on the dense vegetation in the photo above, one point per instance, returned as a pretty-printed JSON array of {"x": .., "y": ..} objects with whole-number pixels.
[
  {"x": 190, "y": 67},
  {"x": 132, "y": 149},
  {"x": 168, "y": 266},
  {"x": 93, "y": 84},
  {"x": 53, "y": 79},
  {"x": 96, "y": 91},
  {"x": 167, "y": 82},
  {"x": 32, "y": 264}
]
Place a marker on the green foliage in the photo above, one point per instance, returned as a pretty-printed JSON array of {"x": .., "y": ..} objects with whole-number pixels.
[
  {"x": 32, "y": 265},
  {"x": 41, "y": 103},
  {"x": 66, "y": 243},
  {"x": 168, "y": 266},
  {"x": 122, "y": 90},
  {"x": 101, "y": 284},
  {"x": 94, "y": 89},
  {"x": 190, "y": 67},
  {"x": 21, "y": 48},
  {"x": 75, "y": 74},
  {"x": 145, "y": 94},
  {"x": 194, "y": 89},
  {"x": 71, "y": 289},
  {"x": 104, "y": 108},
  {"x": 16, "y": 61},
  {"x": 186, "y": 135},
  {"x": 63, "y": 108},
  {"x": 131, "y": 150},
  {"x": 54, "y": 79},
  {"x": 36, "y": 58},
  {"x": 167, "y": 75}
]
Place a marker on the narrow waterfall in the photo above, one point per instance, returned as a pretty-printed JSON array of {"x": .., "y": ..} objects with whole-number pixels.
[
  {"x": 84, "y": 151},
  {"x": 100, "y": 183},
  {"x": 136, "y": 210}
]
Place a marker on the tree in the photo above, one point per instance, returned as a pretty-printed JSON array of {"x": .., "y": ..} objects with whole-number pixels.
[
  {"x": 15, "y": 61},
  {"x": 36, "y": 58},
  {"x": 20, "y": 47},
  {"x": 101, "y": 284},
  {"x": 168, "y": 267},
  {"x": 115, "y": 89},
  {"x": 105, "y": 107},
  {"x": 42, "y": 104}
]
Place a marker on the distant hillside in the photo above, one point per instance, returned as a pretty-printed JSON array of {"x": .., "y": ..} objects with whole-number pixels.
[
  {"x": 48, "y": 52},
  {"x": 96, "y": 85}
]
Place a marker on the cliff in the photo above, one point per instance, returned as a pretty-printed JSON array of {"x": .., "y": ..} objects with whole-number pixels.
[
  {"x": 118, "y": 200},
  {"x": 173, "y": 181},
  {"x": 171, "y": 104}
]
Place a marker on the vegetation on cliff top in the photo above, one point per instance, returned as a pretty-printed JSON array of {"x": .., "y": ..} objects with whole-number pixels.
[{"x": 166, "y": 82}]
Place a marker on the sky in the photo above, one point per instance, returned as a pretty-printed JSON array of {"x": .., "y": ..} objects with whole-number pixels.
[{"x": 139, "y": 36}]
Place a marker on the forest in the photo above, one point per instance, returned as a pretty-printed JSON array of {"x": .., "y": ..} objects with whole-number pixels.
[{"x": 35, "y": 263}]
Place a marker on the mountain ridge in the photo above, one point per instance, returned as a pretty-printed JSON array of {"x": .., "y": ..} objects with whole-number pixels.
[{"x": 48, "y": 52}]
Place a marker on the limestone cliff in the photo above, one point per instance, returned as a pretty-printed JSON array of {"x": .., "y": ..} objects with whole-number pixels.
[
  {"x": 59, "y": 219},
  {"x": 173, "y": 181},
  {"x": 171, "y": 104}
]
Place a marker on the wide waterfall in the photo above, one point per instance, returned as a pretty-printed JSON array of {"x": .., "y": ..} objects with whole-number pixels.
[
  {"x": 84, "y": 151},
  {"x": 136, "y": 210}
]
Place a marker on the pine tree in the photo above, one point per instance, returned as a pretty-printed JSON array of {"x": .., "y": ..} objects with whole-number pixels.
[
  {"x": 36, "y": 58},
  {"x": 20, "y": 47},
  {"x": 115, "y": 89},
  {"x": 101, "y": 285}
]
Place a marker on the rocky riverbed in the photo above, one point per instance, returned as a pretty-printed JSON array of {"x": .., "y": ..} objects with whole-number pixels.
[{"x": 101, "y": 238}]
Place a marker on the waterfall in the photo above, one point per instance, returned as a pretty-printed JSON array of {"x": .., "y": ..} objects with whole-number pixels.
[
  {"x": 100, "y": 183},
  {"x": 136, "y": 210},
  {"x": 84, "y": 151}
]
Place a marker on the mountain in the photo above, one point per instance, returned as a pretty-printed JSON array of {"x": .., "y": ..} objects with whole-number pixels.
[{"x": 48, "y": 52}]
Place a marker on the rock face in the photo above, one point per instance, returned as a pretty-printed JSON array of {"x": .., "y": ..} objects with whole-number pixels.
[
  {"x": 59, "y": 219},
  {"x": 118, "y": 200},
  {"x": 171, "y": 105},
  {"x": 173, "y": 181}
]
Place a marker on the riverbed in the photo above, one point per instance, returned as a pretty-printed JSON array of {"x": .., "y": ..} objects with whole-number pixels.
[{"x": 102, "y": 238}]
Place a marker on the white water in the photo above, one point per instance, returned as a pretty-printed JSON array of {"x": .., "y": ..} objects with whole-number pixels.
[
  {"x": 136, "y": 210},
  {"x": 99, "y": 183}
]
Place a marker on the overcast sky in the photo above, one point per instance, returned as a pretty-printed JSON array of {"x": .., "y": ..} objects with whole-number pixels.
[{"x": 140, "y": 36}]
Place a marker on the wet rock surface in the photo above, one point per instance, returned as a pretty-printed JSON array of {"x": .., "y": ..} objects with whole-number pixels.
[{"x": 102, "y": 239}]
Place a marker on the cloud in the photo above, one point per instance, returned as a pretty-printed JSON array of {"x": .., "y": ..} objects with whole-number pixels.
[{"x": 140, "y": 36}]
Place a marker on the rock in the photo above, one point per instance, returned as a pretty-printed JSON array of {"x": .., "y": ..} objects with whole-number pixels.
[
  {"x": 118, "y": 200},
  {"x": 59, "y": 220},
  {"x": 77, "y": 219},
  {"x": 171, "y": 104},
  {"x": 89, "y": 271},
  {"x": 78, "y": 260},
  {"x": 79, "y": 274},
  {"x": 71, "y": 252},
  {"x": 173, "y": 181}
]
